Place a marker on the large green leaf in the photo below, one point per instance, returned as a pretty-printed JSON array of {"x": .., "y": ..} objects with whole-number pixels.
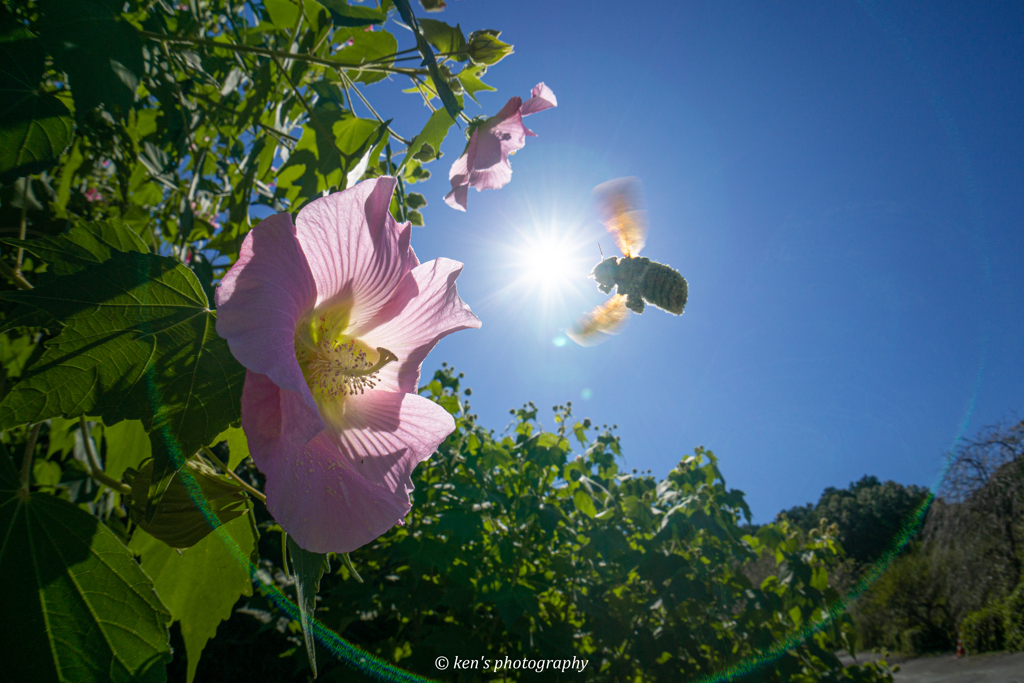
[
  {"x": 78, "y": 606},
  {"x": 200, "y": 585},
  {"x": 128, "y": 445},
  {"x": 35, "y": 128},
  {"x": 333, "y": 146},
  {"x": 138, "y": 343},
  {"x": 426, "y": 146},
  {"x": 447, "y": 39},
  {"x": 99, "y": 51},
  {"x": 377, "y": 47},
  {"x": 238, "y": 445},
  {"x": 353, "y": 16},
  {"x": 85, "y": 244}
]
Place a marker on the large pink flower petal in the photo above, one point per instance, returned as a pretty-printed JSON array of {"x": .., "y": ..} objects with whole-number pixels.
[
  {"x": 362, "y": 263},
  {"x": 426, "y": 307},
  {"x": 262, "y": 297},
  {"x": 278, "y": 423},
  {"x": 346, "y": 488},
  {"x": 541, "y": 98},
  {"x": 458, "y": 197}
]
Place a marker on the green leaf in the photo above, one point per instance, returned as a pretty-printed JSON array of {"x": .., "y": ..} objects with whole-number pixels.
[
  {"x": 433, "y": 5},
  {"x": 308, "y": 568},
  {"x": 283, "y": 13},
  {"x": 584, "y": 503},
  {"x": 128, "y": 445},
  {"x": 377, "y": 47},
  {"x": 138, "y": 343},
  {"x": 238, "y": 445},
  {"x": 428, "y": 141},
  {"x": 85, "y": 244},
  {"x": 35, "y": 128},
  {"x": 471, "y": 83},
  {"x": 345, "y": 15},
  {"x": 200, "y": 585},
  {"x": 447, "y": 39},
  {"x": 99, "y": 51},
  {"x": 333, "y": 145},
  {"x": 79, "y": 607},
  {"x": 183, "y": 515}
]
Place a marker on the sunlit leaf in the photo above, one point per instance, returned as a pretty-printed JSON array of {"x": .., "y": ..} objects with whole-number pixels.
[
  {"x": 201, "y": 584},
  {"x": 238, "y": 445},
  {"x": 87, "y": 243},
  {"x": 353, "y": 16},
  {"x": 447, "y": 39},
  {"x": 428, "y": 142},
  {"x": 78, "y": 606}
]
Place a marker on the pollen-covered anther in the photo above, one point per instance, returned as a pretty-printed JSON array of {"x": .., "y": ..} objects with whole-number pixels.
[{"x": 343, "y": 369}]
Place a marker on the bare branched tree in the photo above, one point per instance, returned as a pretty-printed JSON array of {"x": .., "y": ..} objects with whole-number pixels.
[{"x": 976, "y": 527}]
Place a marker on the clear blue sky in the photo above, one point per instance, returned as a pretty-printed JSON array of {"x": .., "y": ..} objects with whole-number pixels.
[{"x": 841, "y": 183}]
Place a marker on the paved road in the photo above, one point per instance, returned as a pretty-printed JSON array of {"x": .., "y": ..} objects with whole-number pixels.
[{"x": 989, "y": 668}]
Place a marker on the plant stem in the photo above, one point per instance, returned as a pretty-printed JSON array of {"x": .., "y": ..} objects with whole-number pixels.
[
  {"x": 24, "y": 223},
  {"x": 244, "y": 484},
  {"x": 369, "y": 106},
  {"x": 26, "y": 462},
  {"x": 16, "y": 278},
  {"x": 96, "y": 468},
  {"x": 277, "y": 53}
]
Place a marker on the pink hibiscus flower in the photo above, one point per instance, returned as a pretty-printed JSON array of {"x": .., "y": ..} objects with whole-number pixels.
[
  {"x": 332, "y": 317},
  {"x": 484, "y": 165}
]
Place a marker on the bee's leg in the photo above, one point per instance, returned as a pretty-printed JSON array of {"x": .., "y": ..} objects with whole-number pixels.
[{"x": 635, "y": 302}]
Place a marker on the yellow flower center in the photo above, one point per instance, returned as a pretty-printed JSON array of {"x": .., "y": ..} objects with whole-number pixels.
[{"x": 333, "y": 363}]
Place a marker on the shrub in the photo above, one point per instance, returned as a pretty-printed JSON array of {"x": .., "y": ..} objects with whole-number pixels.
[
  {"x": 1013, "y": 626},
  {"x": 982, "y": 631}
]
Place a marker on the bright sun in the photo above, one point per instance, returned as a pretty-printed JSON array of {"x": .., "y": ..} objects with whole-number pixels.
[{"x": 550, "y": 261}]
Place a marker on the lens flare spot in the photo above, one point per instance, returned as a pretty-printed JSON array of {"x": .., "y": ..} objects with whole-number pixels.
[
  {"x": 560, "y": 341},
  {"x": 586, "y": 394}
]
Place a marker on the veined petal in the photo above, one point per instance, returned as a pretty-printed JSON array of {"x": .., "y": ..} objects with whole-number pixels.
[
  {"x": 278, "y": 423},
  {"x": 362, "y": 263},
  {"x": 347, "y": 487},
  {"x": 458, "y": 197},
  {"x": 262, "y": 297},
  {"x": 541, "y": 98},
  {"x": 426, "y": 307}
]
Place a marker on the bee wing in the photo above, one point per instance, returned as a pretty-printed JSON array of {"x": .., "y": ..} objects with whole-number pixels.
[
  {"x": 619, "y": 205},
  {"x": 607, "y": 319}
]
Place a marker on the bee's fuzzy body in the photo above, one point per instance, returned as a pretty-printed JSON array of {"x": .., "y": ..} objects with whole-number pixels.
[{"x": 641, "y": 279}]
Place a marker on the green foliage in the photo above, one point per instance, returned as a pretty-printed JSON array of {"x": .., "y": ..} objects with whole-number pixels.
[
  {"x": 85, "y": 610},
  {"x": 982, "y": 631},
  {"x": 533, "y": 543},
  {"x": 201, "y": 585},
  {"x": 1013, "y": 628},
  {"x": 870, "y": 515},
  {"x": 35, "y": 128},
  {"x": 138, "y": 342}
]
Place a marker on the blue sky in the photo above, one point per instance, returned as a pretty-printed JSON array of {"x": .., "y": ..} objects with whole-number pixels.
[{"x": 842, "y": 185}]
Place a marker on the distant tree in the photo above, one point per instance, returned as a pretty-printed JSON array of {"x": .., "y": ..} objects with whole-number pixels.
[
  {"x": 977, "y": 525},
  {"x": 869, "y": 515}
]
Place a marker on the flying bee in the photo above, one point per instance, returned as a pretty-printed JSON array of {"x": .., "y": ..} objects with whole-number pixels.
[{"x": 638, "y": 281}]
